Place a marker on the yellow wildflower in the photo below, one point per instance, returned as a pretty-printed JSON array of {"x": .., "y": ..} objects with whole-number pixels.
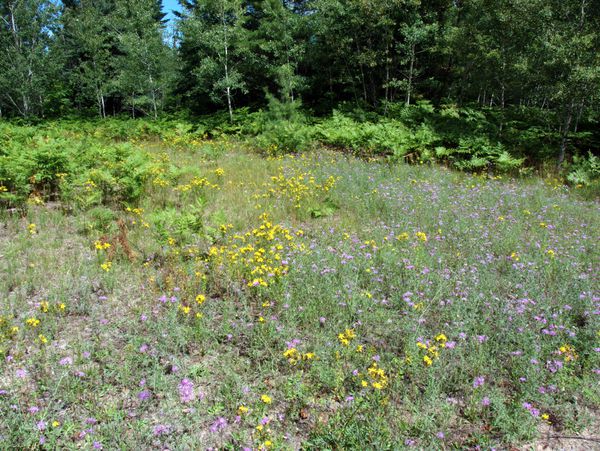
[
  {"x": 441, "y": 338},
  {"x": 346, "y": 336},
  {"x": 200, "y": 299},
  {"x": 33, "y": 322},
  {"x": 421, "y": 236}
]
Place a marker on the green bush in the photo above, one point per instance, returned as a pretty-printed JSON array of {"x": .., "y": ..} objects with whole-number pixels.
[
  {"x": 55, "y": 163},
  {"x": 585, "y": 170},
  {"x": 282, "y": 127}
]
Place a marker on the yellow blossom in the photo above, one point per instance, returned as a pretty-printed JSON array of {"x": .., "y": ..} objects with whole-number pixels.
[
  {"x": 33, "y": 322},
  {"x": 346, "y": 336},
  {"x": 421, "y": 236}
]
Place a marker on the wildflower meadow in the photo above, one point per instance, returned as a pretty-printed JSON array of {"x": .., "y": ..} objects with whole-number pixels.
[{"x": 175, "y": 291}]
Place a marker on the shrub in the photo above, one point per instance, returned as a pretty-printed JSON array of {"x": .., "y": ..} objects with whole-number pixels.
[{"x": 585, "y": 170}]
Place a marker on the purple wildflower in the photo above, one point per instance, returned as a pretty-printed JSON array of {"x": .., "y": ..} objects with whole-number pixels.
[
  {"x": 161, "y": 429},
  {"x": 186, "y": 390},
  {"x": 479, "y": 381},
  {"x": 65, "y": 361},
  {"x": 219, "y": 424}
]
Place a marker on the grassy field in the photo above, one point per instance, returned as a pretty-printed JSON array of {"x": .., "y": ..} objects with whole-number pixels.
[{"x": 198, "y": 294}]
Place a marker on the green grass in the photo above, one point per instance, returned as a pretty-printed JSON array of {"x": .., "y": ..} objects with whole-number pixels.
[{"x": 462, "y": 288}]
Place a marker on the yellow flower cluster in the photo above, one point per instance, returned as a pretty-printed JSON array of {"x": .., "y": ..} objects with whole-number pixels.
[
  {"x": 196, "y": 182},
  {"x": 32, "y": 322},
  {"x": 45, "y": 307},
  {"x": 421, "y": 236},
  {"x": 293, "y": 356},
  {"x": 299, "y": 187},
  {"x": 379, "y": 379},
  {"x": 32, "y": 229},
  {"x": 186, "y": 310},
  {"x": 432, "y": 351},
  {"x": 257, "y": 255},
  {"x": 160, "y": 181},
  {"x": 101, "y": 245},
  {"x": 346, "y": 337},
  {"x": 568, "y": 352}
]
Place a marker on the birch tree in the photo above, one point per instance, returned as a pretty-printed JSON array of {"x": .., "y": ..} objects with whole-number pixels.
[
  {"x": 27, "y": 64},
  {"x": 216, "y": 31}
]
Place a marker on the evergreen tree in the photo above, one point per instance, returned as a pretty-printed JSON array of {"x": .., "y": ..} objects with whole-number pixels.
[{"x": 144, "y": 63}]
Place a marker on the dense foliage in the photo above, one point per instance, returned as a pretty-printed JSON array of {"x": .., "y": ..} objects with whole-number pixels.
[{"x": 477, "y": 61}]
